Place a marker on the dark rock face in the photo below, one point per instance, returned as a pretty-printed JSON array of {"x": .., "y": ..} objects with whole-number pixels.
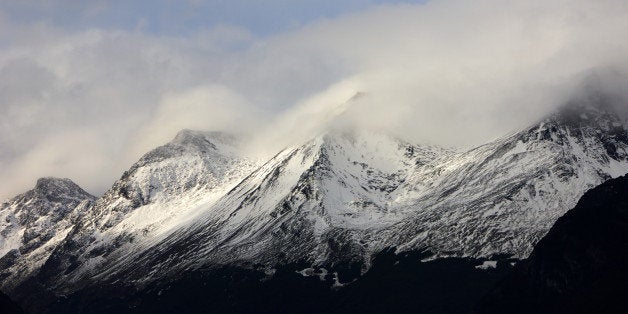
[
  {"x": 7, "y": 306},
  {"x": 581, "y": 266},
  {"x": 397, "y": 283}
]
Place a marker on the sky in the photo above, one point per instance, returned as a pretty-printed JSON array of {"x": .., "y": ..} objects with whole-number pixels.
[
  {"x": 183, "y": 17},
  {"x": 87, "y": 87}
]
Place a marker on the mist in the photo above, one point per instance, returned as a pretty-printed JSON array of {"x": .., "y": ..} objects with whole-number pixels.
[{"x": 86, "y": 103}]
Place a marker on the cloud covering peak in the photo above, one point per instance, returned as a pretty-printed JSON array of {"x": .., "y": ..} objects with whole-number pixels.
[{"x": 85, "y": 103}]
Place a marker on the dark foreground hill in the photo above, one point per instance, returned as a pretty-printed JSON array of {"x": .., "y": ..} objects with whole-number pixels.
[
  {"x": 7, "y": 306},
  {"x": 397, "y": 283},
  {"x": 581, "y": 266}
]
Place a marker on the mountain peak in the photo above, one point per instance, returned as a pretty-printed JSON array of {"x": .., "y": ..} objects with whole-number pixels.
[
  {"x": 34, "y": 223},
  {"x": 55, "y": 185},
  {"x": 187, "y": 136},
  {"x": 59, "y": 190},
  {"x": 204, "y": 139},
  {"x": 191, "y": 142},
  {"x": 592, "y": 108},
  {"x": 590, "y": 118}
]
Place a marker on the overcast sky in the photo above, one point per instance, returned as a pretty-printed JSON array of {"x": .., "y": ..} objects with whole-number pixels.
[{"x": 86, "y": 87}]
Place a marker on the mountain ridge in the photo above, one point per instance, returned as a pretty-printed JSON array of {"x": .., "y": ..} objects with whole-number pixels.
[{"x": 334, "y": 201}]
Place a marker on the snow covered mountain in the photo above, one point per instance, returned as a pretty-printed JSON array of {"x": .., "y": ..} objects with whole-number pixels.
[
  {"x": 163, "y": 191},
  {"x": 502, "y": 197},
  {"x": 121, "y": 236},
  {"x": 335, "y": 200},
  {"x": 301, "y": 204},
  {"x": 33, "y": 224},
  {"x": 343, "y": 196}
]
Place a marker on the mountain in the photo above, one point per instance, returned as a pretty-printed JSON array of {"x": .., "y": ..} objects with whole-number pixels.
[
  {"x": 502, "y": 197},
  {"x": 100, "y": 249},
  {"x": 334, "y": 201},
  {"x": 34, "y": 224},
  {"x": 302, "y": 203},
  {"x": 161, "y": 192},
  {"x": 581, "y": 266},
  {"x": 342, "y": 197}
]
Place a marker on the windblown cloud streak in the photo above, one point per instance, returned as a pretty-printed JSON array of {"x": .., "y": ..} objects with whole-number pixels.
[{"x": 85, "y": 104}]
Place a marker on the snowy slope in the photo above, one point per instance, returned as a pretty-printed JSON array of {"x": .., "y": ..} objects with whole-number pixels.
[
  {"x": 194, "y": 167},
  {"x": 166, "y": 188},
  {"x": 33, "y": 224},
  {"x": 338, "y": 181}
]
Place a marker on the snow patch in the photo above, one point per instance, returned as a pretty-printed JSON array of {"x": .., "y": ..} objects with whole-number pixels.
[{"x": 487, "y": 265}]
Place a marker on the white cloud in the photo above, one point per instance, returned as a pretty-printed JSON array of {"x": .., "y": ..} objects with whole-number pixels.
[
  {"x": 211, "y": 107},
  {"x": 105, "y": 84},
  {"x": 85, "y": 104}
]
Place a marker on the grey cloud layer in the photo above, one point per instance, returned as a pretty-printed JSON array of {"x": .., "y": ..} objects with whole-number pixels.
[{"x": 85, "y": 104}]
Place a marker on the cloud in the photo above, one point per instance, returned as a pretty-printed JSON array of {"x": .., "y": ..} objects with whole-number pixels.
[
  {"x": 86, "y": 102},
  {"x": 105, "y": 84},
  {"x": 73, "y": 154},
  {"x": 211, "y": 107},
  {"x": 460, "y": 72},
  {"x": 305, "y": 119}
]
